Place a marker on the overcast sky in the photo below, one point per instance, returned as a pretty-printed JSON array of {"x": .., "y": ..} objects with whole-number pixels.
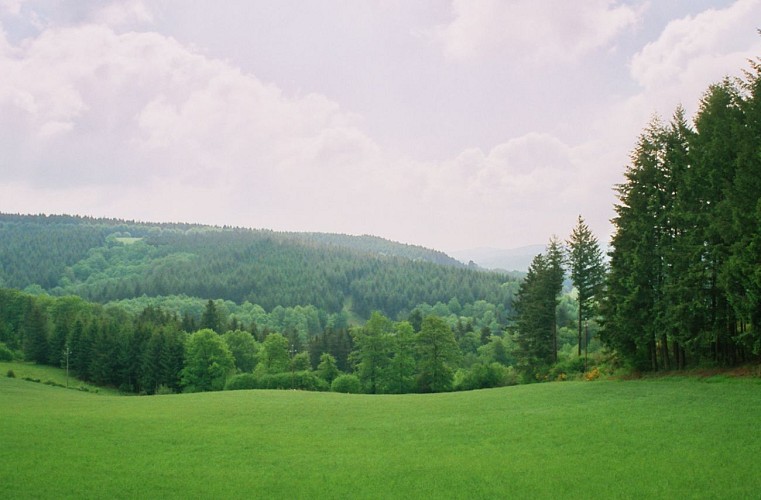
[{"x": 449, "y": 124}]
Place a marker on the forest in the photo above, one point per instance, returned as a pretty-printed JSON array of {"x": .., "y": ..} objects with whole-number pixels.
[{"x": 152, "y": 308}]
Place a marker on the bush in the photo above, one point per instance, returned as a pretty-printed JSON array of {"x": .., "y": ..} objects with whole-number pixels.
[
  {"x": 5, "y": 353},
  {"x": 242, "y": 381},
  {"x": 568, "y": 368},
  {"x": 11, "y": 374},
  {"x": 347, "y": 383},
  {"x": 483, "y": 376},
  {"x": 303, "y": 380},
  {"x": 164, "y": 389}
]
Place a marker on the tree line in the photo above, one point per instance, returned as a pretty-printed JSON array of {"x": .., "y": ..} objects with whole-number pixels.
[
  {"x": 157, "y": 351},
  {"x": 683, "y": 283}
]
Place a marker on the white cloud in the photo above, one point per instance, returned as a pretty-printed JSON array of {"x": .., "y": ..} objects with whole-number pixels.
[
  {"x": 530, "y": 31},
  {"x": 690, "y": 54},
  {"x": 122, "y": 13},
  {"x": 695, "y": 49},
  {"x": 11, "y": 6}
]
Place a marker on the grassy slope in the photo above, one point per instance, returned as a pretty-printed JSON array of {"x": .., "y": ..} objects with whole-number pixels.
[
  {"x": 45, "y": 374},
  {"x": 675, "y": 439}
]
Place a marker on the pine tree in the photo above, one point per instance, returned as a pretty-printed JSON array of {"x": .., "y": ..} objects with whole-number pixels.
[
  {"x": 535, "y": 309},
  {"x": 587, "y": 272},
  {"x": 35, "y": 334}
]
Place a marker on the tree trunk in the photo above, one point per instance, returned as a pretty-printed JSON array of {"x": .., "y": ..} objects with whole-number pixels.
[
  {"x": 665, "y": 352},
  {"x": 579, "y": 330}
]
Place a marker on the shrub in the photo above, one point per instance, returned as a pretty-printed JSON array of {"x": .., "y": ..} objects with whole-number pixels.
[
  {"x": 482, "y": 376},
  {"x": 593, "y": 374},
  {"x": 11, "y": 374},
  {"x": 346, "y": 383},
  {"x": 303, "y": 380},
  {"x": 164, "y": 389},
  {"x": 242, "y": 381},
  {"x": 5, "y": 353},
  {"x": 568, "y": 368}
]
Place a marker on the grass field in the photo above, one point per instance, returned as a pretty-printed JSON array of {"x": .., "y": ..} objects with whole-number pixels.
[
  {"x": 635, "y": 439},
  {"x": 49, "y": 374}
]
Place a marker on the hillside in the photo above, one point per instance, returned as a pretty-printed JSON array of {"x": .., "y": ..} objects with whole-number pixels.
[
  {"x": 639, "y": 439},
  {"x": 106, "y": 260}
]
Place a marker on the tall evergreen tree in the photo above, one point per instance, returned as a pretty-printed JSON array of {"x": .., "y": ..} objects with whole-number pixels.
[
  {"x": 535, "y": 324},
  {"x": 212, "y": 318},
  {"x": 556, "y": 275},
  {"x": 35, "y": 334},
  {"x": 587, "y": 272}
]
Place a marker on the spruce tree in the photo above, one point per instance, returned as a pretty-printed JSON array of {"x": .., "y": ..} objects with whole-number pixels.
[{"x": 587, "y": 272}]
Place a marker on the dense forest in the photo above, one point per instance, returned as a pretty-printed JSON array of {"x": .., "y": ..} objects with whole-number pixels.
[{"x": 107, "y": 260}]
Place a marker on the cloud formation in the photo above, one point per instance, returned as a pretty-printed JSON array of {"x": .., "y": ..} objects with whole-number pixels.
[
  {"x": 103, "y": 113},
  {"x": 530, "y": 31}
]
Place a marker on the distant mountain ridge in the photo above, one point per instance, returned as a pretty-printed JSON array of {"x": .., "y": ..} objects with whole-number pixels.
[
  {"x": 104, "y": 260},
  {"x": 511, "y": 259}
]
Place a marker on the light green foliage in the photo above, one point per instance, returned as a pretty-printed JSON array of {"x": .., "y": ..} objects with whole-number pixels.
[
  {"x": 5, "y": 353},
  {"x": 208, "y": 362},
  {"x": 483, "y": 376},
  {"x": 327, "y": 369},
  {"x": 438, "y": 353},
  {"x": 371, "y": 356},
  {"x": 244, "y": 349},
  {"x": 481, "y": 444},
  {"x": 300, "y": 362},
  {"x": 347, "y": 383},
  {"x": 400, "y": 377},
  {"x": 274, "y": 355}
]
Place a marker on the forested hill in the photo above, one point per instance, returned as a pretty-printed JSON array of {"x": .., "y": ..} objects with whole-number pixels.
[{"x": 105, "y": 260}]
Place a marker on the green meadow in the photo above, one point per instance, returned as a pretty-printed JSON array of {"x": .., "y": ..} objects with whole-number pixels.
[{"x": 669, "y": 438}]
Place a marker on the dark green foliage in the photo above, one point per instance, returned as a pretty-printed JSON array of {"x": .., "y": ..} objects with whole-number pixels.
[
  {"x": 587, "y": 274},
  {"x": 34, "y": 331},
  {"x": 242, "y": 381},
  {"x": 536, "y": 321},
  {"x": 10, "y": 374},
  {"x": 683, "y": 282},
  {"x": 262, "y": 267},
  {"x": 212, "y": 319}
]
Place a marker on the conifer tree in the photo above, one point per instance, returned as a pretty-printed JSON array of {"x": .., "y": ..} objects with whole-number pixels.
[{"x": 587, "y": 272}]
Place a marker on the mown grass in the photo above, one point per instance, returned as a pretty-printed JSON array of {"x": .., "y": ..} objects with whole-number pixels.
[{"x": 634, "y": 439}]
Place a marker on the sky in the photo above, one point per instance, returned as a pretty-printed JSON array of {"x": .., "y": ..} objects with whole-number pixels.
[{"x": 448, "y": 124}]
